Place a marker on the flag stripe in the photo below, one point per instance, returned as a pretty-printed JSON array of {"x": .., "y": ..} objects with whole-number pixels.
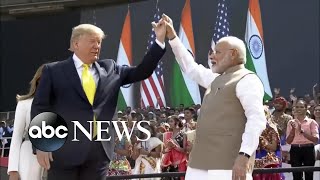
[
  {"x": 186, "y": 22},
  {"x": 184, "y": 90},
  {"x": 121, "y": 102},
  {"x": 193, "y": 87},
  {"x": 155, "y": 90},
  {"x": 148, "y": 100},
  {"x": 249, "y": 64},
  {"x": 256, "y": 60},
  {"x": 179, "y": 92},
  {"x": 126, "y": 37},
  {"x": 254, "y": 9},
  {"x": 150, "y": 92},
  {"x": 125, "y": 97},
  {"x": 152, "y": 89},
  {"x": 160, "y": 80}
]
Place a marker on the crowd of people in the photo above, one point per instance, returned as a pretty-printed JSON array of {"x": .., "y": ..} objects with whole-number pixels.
[
  {"x": 291, "y": 123},
  {"x": 173, "y": 130}
]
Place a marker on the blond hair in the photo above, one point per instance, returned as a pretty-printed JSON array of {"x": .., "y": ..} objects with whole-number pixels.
[
  {"x": 83, "y": 29},
  {"x": 33, "y": 85}
]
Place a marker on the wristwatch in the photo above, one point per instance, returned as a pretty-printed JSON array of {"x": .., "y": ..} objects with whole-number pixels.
[{"x": 244, "y": 154}]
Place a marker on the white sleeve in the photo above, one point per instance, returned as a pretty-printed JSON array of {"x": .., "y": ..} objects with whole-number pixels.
[
  {"x": 194, "y": 71},
  {"x": 250, "y": 92},
  {"x": 17, "y": 136}
]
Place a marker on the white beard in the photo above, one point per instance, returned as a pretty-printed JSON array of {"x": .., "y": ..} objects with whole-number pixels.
[{"x": 213, "y": 68}]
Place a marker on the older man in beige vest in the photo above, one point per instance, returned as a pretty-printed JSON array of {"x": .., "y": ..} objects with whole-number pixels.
[{"x": 231, "y": 118}]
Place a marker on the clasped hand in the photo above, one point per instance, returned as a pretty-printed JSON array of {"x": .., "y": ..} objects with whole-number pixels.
[{"x": 164, "y": 28}]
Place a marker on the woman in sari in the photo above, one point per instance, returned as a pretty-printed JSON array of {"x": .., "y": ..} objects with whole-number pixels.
[
  {"x": 268, "y": 154},
  {"x": 119, "y": 165},
  {"x": 147, "y": 154},
  {"x": 174, "y": 154}
]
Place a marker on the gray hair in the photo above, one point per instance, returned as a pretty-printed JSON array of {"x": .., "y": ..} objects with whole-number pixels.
[{"x": 237, "y": 44}]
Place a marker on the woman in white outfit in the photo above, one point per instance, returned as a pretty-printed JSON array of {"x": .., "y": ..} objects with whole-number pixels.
[{"x": 22, "y": 163}]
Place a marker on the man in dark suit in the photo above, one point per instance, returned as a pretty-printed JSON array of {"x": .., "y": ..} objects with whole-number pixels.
[{"x": 64, "y": 89}]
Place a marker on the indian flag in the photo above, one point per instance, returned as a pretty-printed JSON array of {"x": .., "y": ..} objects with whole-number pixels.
[
  {"x": 183, "y": 90},
  {"x": 256, "y": 60},
  {"x": 125, "y": 59}
]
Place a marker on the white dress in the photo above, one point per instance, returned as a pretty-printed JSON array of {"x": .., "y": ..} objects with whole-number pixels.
[{"x": 21, "y": 158}]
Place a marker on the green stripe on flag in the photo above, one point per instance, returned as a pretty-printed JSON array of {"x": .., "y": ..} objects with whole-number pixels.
[
  {"x": 249, "y": 65},
  {"x": 179, "y": 92},
  {"x": 121, "y": 102},
  {"x": 266, "y": 97}
]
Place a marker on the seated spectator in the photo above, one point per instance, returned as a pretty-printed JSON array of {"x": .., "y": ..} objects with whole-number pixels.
[
  {"x": 162, "y": 118},
  {"x": 147, "y": 154},
  {"x": 119, "y": 165}
]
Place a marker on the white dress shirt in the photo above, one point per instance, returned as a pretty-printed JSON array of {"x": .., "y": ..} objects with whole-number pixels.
[
  {"x": 249, "y": 91},
  {"x": 79, "y": 66}
]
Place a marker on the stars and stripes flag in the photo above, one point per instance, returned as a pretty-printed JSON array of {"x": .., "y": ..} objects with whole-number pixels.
[
  {"x": 152, "y": 89},
  {"x": 222, "y": 25}
]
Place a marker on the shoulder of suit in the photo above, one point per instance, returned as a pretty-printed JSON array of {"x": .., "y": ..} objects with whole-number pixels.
[
  {"x": 57, "y": 63},
  {"x": 107, "y": 61}
]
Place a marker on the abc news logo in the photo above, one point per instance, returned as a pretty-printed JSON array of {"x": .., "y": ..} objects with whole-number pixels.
[{"x": 49, "y": 132}]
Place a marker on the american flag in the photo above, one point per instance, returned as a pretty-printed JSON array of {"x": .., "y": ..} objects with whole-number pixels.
[
  {"x": 222, "y": 26},
  {"x": 152, "y": 89}
]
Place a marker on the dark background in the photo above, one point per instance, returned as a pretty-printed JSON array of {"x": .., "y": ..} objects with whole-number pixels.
[{"x": 291, "y": 37}]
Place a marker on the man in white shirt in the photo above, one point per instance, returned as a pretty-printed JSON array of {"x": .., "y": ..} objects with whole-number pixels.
[{"x": 217, "y": 153}]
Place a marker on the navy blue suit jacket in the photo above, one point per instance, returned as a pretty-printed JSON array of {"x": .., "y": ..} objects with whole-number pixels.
[{"x": 60, "y": 91}]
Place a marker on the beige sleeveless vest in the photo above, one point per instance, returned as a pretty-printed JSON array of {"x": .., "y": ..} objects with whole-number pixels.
[{"x": 221, "y": 124}]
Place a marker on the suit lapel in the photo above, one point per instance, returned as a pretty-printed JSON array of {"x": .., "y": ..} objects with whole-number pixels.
[
  {"x": 102, "y": 82},
  {"x": 73, "y": 77}
]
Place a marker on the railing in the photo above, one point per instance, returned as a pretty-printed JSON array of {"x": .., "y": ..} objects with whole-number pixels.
[
  {"x": 182, "y": 174},
  {"x": 5, "y": 116},
  {"x": 2, "y": 147}
]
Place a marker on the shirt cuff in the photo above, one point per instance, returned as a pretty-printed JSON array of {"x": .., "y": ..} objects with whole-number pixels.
[
  {"x": 162, "y": 45},
  {"x": 174, "y": 42},
  {"x": 247, "y": 150}
]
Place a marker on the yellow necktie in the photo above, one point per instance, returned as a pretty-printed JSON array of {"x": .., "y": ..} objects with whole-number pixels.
[{"x": 89, "y": 87}]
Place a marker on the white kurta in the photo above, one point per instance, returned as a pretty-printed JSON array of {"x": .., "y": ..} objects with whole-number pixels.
[
  {"x": 250, "y": 93},
  {"x": 21, "y": 158},
  {"x": 192, "y": 174}
]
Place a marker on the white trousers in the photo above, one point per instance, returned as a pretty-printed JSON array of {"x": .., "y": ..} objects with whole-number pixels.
[{"x": 197, "y": 174}]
